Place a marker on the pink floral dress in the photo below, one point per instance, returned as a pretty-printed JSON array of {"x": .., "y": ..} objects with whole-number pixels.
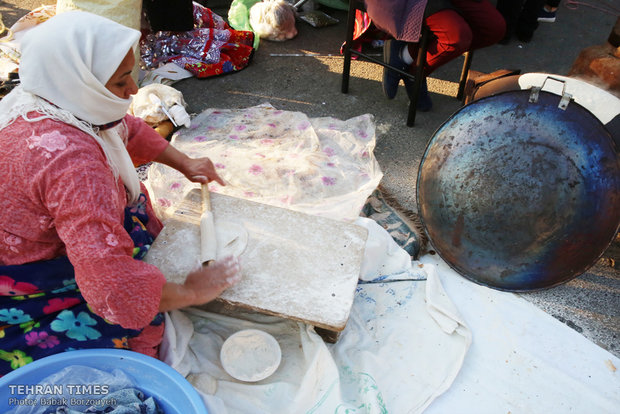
[{"x": 69, "y": 274}]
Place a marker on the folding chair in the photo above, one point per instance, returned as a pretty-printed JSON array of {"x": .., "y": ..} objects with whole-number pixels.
[{"x": 348, "y": 51}]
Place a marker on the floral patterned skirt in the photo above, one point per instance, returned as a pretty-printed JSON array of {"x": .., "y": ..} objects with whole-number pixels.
[{"x": 42, "y": 311}]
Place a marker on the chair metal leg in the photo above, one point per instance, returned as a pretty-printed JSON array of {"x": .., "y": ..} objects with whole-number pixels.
[
  {"x": 464, "y": 72},
  {"x": 346, "y": 66},
  {"x": 419, "y": 75}
]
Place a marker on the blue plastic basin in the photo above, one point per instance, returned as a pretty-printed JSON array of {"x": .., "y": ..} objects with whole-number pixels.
[{"x": 173, "y": 393}]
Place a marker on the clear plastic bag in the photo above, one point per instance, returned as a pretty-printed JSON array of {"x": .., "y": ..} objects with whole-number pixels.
[{"x": 239, "y": 17}]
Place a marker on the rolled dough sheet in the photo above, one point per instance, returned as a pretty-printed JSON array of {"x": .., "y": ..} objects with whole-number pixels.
[
  {"x": 294, "y": 265},
  {"x": 177, "y": 249}
]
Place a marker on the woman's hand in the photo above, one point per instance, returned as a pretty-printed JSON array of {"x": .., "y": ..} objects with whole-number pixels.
[
  {"x": 201, "y": 286},
  {"x": 201, "y": 170},
  {"x": 198, "y": 170},
  {"x": 209, "y": 282}
]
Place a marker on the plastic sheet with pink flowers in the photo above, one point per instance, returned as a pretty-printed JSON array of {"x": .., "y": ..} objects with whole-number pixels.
[{"x": 320, "y": 166}]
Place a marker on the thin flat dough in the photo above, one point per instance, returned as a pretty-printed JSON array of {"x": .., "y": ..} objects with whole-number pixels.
[
  {"x": 232, "y": 238},
  {"x": 176, "y": 250}
]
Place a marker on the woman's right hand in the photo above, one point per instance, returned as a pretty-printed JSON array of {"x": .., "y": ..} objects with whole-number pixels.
[
  {"x": 210, "y": 281},
  {"x": 201, "y": 286}
]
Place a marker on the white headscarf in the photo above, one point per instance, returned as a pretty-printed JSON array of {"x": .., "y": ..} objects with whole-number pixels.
[{"x": 67, "y": 61}]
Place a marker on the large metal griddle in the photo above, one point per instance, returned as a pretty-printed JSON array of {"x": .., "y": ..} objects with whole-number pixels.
[{"x": 520, "y": 191}]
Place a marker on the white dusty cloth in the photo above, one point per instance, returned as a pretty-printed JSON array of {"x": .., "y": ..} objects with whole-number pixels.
[
  {"x": 405, "y": 349},
  {"x": 402, "y": 347},
  {"x": 65, "y": 64},
  {"x": 523, "y": 360}
]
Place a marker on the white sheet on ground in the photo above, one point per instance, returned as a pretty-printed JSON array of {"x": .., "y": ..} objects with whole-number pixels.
[
  {"x": 523, "y": 360},
  {"x": 402, "y": 347},
  {"x": 394, "y": 357}
]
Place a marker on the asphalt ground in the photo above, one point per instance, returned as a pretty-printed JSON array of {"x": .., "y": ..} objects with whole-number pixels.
[{"x": 304, "y": 74}]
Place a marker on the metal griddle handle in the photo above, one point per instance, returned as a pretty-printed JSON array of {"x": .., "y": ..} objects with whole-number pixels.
[{"x": 564, "y": 100}]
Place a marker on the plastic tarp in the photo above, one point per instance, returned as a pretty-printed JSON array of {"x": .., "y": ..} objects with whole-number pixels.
[{"x": 318, "y": 166}]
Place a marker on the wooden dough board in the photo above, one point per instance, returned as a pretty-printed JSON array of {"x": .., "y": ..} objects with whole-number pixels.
[{"x": 295, "y": 265}]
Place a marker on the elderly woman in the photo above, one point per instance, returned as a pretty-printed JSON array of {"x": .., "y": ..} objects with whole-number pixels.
[{"x": 74, "y": 219}]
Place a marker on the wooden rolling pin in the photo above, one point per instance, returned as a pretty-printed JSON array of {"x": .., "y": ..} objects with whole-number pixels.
[{"x": 208, "y": 241}]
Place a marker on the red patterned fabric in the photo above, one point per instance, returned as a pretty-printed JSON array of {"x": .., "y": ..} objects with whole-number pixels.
[
  {"x": 212, "y": 48},
  {"x": 361, "y": 27},
  {"x": 234, "y": 56}
]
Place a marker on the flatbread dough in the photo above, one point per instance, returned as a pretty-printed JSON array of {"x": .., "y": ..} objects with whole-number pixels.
[
  {"x": 176, "y": 250},
  {"x": 232, "y": 238}
]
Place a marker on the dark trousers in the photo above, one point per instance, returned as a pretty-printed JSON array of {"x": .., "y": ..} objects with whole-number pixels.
[
  {"x": 522, "y": 15},
  {"x": 169, "y": 15}
]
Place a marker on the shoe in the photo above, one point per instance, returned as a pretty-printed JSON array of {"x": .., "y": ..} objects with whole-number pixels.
[
  {"x": 546, "y": 16},
  {"x": 424, "y": 100},
  {"x": 391, "y": 55}
]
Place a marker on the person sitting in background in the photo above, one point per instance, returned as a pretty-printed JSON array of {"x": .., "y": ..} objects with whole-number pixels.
[
  {"x": 456, "y": 26},
  {"x": 74, "y": 217},
  {"x": 522, "y": 17}
]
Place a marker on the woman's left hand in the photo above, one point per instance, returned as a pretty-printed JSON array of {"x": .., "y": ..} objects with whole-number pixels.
[{"x": 201, "y": 170}]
